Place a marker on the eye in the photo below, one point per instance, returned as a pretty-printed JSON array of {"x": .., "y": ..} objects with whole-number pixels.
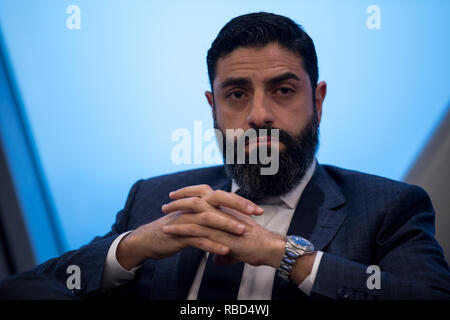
[
  {"x": 236, "y": 95},
  {"x": 284, "y": 91}
]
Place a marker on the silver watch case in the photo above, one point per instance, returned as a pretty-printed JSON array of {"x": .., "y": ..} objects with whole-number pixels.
[{"x": 296, "y": 246}]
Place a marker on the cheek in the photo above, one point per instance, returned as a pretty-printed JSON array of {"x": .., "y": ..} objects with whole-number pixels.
[
  {"x": 227, "y": 118},
  {"x": 295, "y": 117}
]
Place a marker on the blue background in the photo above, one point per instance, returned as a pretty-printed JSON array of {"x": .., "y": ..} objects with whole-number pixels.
[{"x": 102, "y": 101}]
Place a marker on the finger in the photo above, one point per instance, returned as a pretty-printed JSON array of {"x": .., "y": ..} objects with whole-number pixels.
[
  {"x": 207, "y": 245},
  {"x": 232, "y": 200},
  {"x": 192, "y": 191},
  {"x": 207, "y": 222},
  {"x": 220, "y": 221},
  {"x": 187, "y": 230},
  {"x": 245, "y": 218},
  {"x": 193, "y": 204}
]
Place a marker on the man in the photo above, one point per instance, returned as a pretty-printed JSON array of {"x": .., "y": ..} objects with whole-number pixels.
[{"x": 230, "y": 232}]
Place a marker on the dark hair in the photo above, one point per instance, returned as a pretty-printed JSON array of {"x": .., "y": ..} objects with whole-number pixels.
[{"x": 259, "y": 29}]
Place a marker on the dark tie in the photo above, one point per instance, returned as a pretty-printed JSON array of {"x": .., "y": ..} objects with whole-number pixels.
[{"x": 220, "y": 282}]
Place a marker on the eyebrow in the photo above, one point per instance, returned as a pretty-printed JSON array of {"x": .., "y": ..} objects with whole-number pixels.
[
  {"x": 238, "y": 82},
  {"x": 282, "y": 77},
  {"x": 245, "y": 82}
]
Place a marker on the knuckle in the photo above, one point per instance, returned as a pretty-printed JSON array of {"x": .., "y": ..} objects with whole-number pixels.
[
  {"x": 216, "y": 196},
  {"x": 220, "y": 193},
  {"x": 207, "y": 236},
  {"x": 196, "y": 201},
  {"x": 200, "y": 242},
  {"x": 216, "y": 193},
  {"x": 205, "y": 217},
  {"x": 208, "y": 196},
  {"x": 175, "y": 203},
  {"x": 231, "y": 224},
  {"x": 191, "y": 228}
]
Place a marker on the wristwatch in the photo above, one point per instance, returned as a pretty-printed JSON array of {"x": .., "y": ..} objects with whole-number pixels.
[{"x": 296, "y": 246}]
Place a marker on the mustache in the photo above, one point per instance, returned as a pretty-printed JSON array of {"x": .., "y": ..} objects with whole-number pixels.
[{"x": 265, "y": 132}]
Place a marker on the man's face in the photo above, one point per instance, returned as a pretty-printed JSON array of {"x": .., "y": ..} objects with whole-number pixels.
[
  {"x": 268, "y": 87},
  {"x": 262, "y": 87}
]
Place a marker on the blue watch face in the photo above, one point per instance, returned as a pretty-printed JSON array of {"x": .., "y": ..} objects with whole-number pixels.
[{"x": 300, "y": 241}]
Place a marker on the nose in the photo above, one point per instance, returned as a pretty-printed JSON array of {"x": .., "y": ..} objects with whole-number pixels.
[{"x": 260, "y": 112}]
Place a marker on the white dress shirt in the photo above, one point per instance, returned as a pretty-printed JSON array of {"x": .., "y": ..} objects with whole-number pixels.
[{"x": 257, "y": 281}]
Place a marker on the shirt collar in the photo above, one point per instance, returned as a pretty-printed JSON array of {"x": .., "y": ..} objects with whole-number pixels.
[{"x": 292, "y": 197}]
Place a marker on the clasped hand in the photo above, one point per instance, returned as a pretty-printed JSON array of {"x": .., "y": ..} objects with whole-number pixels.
[
  {"x": 211, "y": 220},
  {"x": 220, "y": 222}
]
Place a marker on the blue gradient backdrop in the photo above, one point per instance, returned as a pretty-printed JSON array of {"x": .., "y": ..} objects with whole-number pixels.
[{"x": 102, "y": 101}]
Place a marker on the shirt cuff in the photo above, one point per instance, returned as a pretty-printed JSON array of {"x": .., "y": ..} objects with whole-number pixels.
[
  {"x": 114, "y": 274},
  {"x": 308, "y": 283}
]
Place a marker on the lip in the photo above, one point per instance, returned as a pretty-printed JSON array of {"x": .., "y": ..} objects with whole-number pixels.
[{"x": 263, "y": 140}]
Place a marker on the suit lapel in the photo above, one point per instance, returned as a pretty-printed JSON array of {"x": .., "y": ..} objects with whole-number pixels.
[
  {"x": 319, "y": 213},
  {"x": 318, "y": 216},
  {"x": 189, "y": 259}
]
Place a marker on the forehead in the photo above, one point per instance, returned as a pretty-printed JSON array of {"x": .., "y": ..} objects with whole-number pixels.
[{"x": 259, "y": 63}]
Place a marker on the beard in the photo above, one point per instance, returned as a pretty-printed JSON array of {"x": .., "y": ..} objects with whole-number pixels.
[{"x": 294, "y": 161}]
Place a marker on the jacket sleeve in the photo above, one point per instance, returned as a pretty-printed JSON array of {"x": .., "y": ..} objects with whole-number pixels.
[
  {"x": 410, "y": 259},
  {"x": 90, "y": 259}
]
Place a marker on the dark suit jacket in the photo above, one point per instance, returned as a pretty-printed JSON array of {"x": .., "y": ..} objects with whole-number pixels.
[{"x": 356, "y": 219}]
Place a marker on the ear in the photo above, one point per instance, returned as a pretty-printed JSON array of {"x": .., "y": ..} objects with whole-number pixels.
[
  {"x": 210, "y": 98},
  {"x": 321, "y": 92}
]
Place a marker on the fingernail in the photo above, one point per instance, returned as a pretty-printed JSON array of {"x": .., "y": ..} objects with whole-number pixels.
[
  {"x": 259, "y": 209},
  {"x": 240, "y": 227}
]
